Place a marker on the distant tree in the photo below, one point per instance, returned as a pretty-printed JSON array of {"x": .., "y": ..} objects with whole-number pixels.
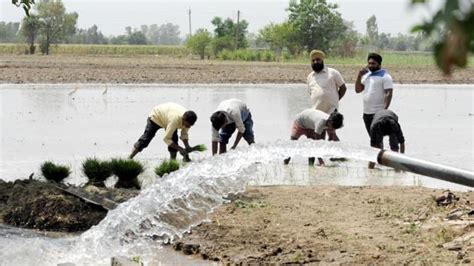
[
  {"x": 137, "y": 37},
  {"x": 30, "y": 28},
  {"x": 56, "y": 24},
  {"x": 347, "y": 42},
  {"x": 316, "y": 23},
  {"x": 372, "y": 30},
  {"x": 9, "y": 32},
  {"x": 222, "y": 43},
  {"x": 279, "y": 36},
  {"x": 91, "y": 35},
  {"x": 199, "y": 42},
  {"x": 168, "y": 34},
  {"x": 453, "y": 28},
  {"x": 228, "y": 29},
  {"x": 384, "y": 41}
]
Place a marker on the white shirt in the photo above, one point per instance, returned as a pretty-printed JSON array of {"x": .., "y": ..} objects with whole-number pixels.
[
  {"x": 312, "y": 119},
  {"x": 233, "y": 110},
  {"x": 375, "y": 84},
  {"x": 324, "y": 89}
]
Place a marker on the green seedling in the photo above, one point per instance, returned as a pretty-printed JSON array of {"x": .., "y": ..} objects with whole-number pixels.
[
  {"x": 166, "y": 167},
  {"x": 97, "y": 171},
  {"x": 200, "y": 147},
  {"x": 53, "y": 172},
  {"x": 127, "y": 171}
]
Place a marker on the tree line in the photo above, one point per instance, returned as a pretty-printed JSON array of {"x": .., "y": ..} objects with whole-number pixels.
[{"x": 49, "y": 23}]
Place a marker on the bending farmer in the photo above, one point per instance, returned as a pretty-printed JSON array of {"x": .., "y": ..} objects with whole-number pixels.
[
  {"x": 313, "y": 123},
  {"x": 231, "y": 114},
  {"x": 171, "y": 117}
]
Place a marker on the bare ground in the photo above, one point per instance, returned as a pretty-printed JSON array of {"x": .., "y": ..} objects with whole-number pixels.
[
  {"x": 337, "y": 225},
  {"x": 160, "y": 69}
]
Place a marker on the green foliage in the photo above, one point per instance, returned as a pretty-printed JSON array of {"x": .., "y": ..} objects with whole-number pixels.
[
  {"x": 30, "y": 28},
  {"x": 316, "y": 23},
  {"x": 247, "y": 55},
  {"x": 8, "y": 32},
  {"x": 85, "y": 49},
  {"x": 127, "y": 171},
  {"x": 26, "y": 4},
  {"x": 453, "y": 29},
  {"x": 219, "y": 44},
  {"x": 97, "y": 171},
  {"x": 201, "y": 148},
  {"x": 372, "y": 30},
  {"x": 54, "y": 172},
  {"x": 227, "y": 28},
  {"x": 166, "y": 167},
  {"x": 198, "y": 43},
  {"x": 280, "y": 36},
  {"x": 56, "y": 24}
]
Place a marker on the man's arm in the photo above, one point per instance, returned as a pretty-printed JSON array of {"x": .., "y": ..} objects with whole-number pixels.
[
  {"x": 402, "y": 147},
  {"x": 388, "y": 98},
  {"x": 342, "y": 91},
  {"x": 237, "y": 139},
  {"x": 359, "y": 87}
]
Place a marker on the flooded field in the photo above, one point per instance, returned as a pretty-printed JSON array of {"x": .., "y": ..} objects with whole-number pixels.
[{"x": 65, "y": 124}]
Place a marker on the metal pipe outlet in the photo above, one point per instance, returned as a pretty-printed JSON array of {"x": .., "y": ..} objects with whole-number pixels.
[{"x": 405, "y": 163}]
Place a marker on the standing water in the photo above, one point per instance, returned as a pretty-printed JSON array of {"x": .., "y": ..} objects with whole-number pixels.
[{"x": 39, "y": 121}]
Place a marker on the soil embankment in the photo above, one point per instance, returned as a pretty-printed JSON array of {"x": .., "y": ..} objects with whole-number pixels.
[{"x": 40, "y": 205}]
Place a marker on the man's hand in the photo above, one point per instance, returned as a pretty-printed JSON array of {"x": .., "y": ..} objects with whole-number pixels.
[
  {"x": 363, "y": 71},
  {"x": 233, "y": 147}
]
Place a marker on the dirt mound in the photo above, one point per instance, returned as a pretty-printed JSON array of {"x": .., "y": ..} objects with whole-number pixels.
[{"x": 40, "y": 205}]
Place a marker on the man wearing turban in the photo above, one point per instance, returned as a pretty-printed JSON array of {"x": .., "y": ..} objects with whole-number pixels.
[{"x": 326, "y": 86}]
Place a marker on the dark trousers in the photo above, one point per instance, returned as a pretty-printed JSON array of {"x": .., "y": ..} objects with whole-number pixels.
[
  {"x": 147, "y": 136},
  {"x": 368, "y": 118}
]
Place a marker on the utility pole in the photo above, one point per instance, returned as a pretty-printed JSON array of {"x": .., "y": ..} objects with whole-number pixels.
[
  {"x": 237, "y": 31},
  {"x": 189, "y": 15}
]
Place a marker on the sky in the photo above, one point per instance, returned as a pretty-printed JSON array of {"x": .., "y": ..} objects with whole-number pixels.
[{"x": 112, "y": 16}]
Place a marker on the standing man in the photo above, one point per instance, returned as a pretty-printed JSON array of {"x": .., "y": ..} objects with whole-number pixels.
[
  {"x": 313, "y": 123},
  {"x": 171, "y": 117},
  {"x": 377, "y": 87},
  {"x": 385, "y": 123},
  {"x": 231, "y": 114},
  {"x": 326, "y": 87}
]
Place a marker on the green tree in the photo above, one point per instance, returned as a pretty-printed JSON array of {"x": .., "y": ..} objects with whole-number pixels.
[
  {"x": 372, "y": 30},
  {"x": 316, "y": 22},
  {"x": 279, "y": 36},
  {"x": 199, "y": 42},
  {"x": 8, "y": 31},
  {"x": 56, "y": 24},
  {"x": 453, "y": 27},
  {"x": 227, "y": 28},
  {"x": 30, "y": 29},
  {"x": 346, "y": 44}
]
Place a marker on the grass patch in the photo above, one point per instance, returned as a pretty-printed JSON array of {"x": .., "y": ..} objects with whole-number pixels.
[
  {"x": 127, "y": 171},
  {"x": 166, "y": 167},
  {"x": 97, "y": 171},
  {"x": 54, "y": 172}
]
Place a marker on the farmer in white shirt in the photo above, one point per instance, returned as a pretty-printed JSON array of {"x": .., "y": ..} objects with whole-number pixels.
[
  {"x": 231, "y": 114},
  {"x": 376, "y": 84},
  {"x": 326, "y": 87},
  {"x": 312, "y": 124}
]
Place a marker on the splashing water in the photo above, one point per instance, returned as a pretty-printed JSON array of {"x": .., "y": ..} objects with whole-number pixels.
[{"x": 173, "y": 205}]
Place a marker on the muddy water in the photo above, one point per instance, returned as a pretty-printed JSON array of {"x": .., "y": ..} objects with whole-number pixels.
[{"x": 57, "y": 122}]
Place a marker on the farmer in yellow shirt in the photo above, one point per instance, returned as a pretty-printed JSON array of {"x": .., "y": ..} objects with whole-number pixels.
[{"x": 171, "y": 117}]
